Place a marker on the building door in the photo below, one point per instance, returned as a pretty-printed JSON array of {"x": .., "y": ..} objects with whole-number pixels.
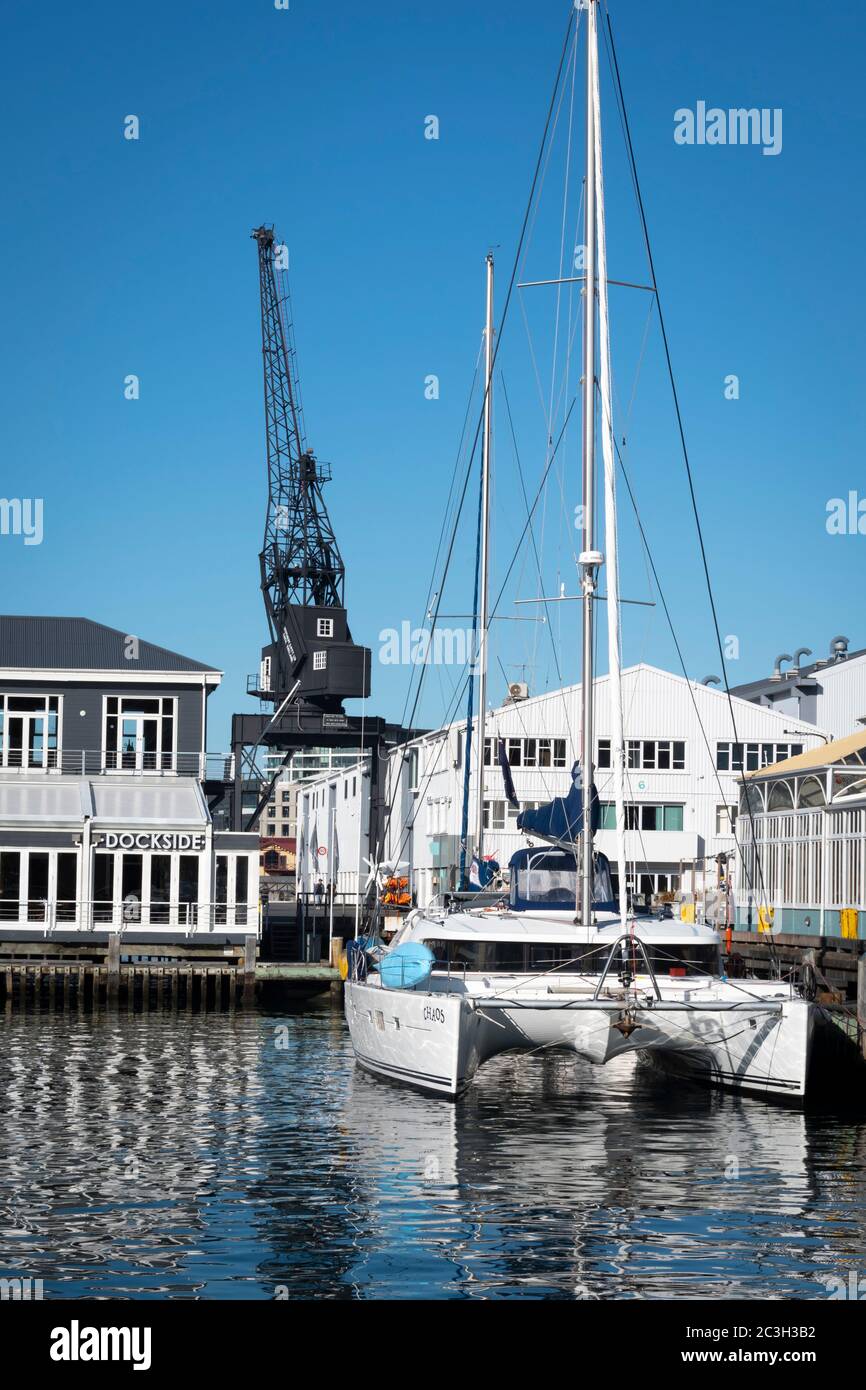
[
  {"x": 27, "y": 740},
  {"x": 138, "y": 742}
]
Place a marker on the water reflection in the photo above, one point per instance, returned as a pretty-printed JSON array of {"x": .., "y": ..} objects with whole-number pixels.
[{"x": 244, "y": 1155}]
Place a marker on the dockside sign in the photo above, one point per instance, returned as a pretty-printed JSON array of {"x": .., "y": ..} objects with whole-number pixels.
[{"x": 150, "y": 839}]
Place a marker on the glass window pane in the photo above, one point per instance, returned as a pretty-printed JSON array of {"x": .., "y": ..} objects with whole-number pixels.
[
  {"x": 10, "y": 885},
  {"x": 187, "y": 889},
  {"x": 160, "y": 887},
  {"x": 67, "y": 886},
  {"x": 37, "y": 891},
  {"x": 221, "y": 888},
  {"x": 242, "y": 878},
  {"x": 130, "y": 889},
  {"x": 103, "y": 887}
]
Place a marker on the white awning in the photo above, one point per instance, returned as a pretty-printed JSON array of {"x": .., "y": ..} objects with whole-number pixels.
[
  {"x": 138, "y": 801},
  {"x": 47, "y": 801},
  {"x": 123, "y": 802}
]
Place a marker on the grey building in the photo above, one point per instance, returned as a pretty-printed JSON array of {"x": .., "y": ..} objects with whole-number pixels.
[{"x": 104, "y": 818}]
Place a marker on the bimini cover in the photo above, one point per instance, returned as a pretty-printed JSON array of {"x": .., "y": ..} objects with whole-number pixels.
[
  {"x": 561, "y": 820},
  {"x": 548, "y": 878},
  {"x": 406, "y": 966}
]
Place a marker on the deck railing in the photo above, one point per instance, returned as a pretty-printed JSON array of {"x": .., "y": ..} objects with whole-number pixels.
[
  {"x": 75, "y": 762},
  {"x": 99, "y": 915}
]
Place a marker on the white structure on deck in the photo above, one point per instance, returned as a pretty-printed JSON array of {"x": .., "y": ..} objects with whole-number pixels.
[
  {"x": 682, "y": 785},
  {"x": 807, "y": 817}
]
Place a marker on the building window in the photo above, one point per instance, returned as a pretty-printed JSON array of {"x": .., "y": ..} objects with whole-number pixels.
[
  {"x": 648, "y": 754},
  {"x": 494, "y": 815},
  {"x": 242, "y": 878},
  {"x": 726, "y": 819},
  {"x": 10, "y": 885},
  {"x": 604, "y": 753},
  {"x": 187, "y": 888},
  {"x": 139, "y": 733},
  {"x": 559, "y": 752},
  {"x": 160, "y": 888},
  {"x": 750, "y": 757},
  {"x": 29, "y": 730},
  {"x": 324, "y": 627},
  {"x": 320, "y": 661},
  {"x": 67, "y": 887},
  {"x": 221, "y": 888},
  {"x": 643, "y": 815}
]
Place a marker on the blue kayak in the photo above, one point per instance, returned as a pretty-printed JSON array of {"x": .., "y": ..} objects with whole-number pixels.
[{"x": 406, "y": 966}]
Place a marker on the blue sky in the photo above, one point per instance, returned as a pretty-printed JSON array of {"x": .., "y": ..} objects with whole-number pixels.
[{"x": 123, "y": 257}]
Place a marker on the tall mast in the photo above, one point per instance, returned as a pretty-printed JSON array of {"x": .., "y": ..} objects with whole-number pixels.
[
  {"x": 483, "y": 613},
  {"x": 589, "y": 559},
  {"x": 611, "y": 548}
]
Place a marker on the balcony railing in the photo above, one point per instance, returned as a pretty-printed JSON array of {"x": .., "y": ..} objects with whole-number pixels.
[{"x": 74, "y": 762}]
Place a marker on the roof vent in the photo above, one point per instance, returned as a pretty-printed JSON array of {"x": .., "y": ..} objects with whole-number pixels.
[
  {"x": 711, "y": 680},
  {"x": 839, "y": 648},
  {"x": 778, "y": 674},
  {"x": 801, "y": 651},
  {"x": 518, "y": 690}
]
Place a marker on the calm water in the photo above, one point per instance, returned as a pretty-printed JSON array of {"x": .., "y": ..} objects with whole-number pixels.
[{"x": 244, "y": 1156}]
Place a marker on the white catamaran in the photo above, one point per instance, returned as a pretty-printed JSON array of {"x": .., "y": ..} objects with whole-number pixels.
[{"x": 560, "y": 964}]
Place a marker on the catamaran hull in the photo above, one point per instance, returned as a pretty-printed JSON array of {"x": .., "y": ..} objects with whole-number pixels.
[
  {"x": 431, "y": 1042},
  {"x": 436, "y": 1042}
]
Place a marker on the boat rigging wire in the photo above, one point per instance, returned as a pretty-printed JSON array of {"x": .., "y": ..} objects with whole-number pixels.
[
  {"x": 614, "y": 63},
  {"x": 466, "y": 666},
  {"x": 498, "y": 342}
]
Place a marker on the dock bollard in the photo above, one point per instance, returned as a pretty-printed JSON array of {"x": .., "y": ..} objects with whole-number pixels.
[
  {"x": 112, "y": 960},
  {"x": 249, "y": 992},
  {"x": 336, "y": 989}
]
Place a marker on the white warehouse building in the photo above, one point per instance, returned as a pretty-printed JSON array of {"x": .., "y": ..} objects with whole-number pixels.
[{"x": 684, "y": 764}]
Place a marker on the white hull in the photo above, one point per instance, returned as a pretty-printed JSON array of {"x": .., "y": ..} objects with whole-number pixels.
[{"x": 436, "y": 1040}]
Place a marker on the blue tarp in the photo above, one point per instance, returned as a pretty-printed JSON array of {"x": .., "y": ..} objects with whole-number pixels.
[{"x": 561, "y": 819}]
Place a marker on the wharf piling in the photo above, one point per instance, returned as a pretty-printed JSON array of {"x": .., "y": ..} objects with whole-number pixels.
[{"x": 106, "y": 976}]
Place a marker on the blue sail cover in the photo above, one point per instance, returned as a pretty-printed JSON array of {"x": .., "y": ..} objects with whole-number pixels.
[{"x": 561, "y": 820}]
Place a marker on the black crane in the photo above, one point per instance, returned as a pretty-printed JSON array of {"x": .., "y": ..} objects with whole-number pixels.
[
  {"x": 311, "y": 657},
  {"x": 310, "y": 665}
]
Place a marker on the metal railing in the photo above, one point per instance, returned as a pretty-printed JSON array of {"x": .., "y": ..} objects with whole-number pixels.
[
  {"x": 104, "y": 915},
  {"x": 75, "y": 762}
]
